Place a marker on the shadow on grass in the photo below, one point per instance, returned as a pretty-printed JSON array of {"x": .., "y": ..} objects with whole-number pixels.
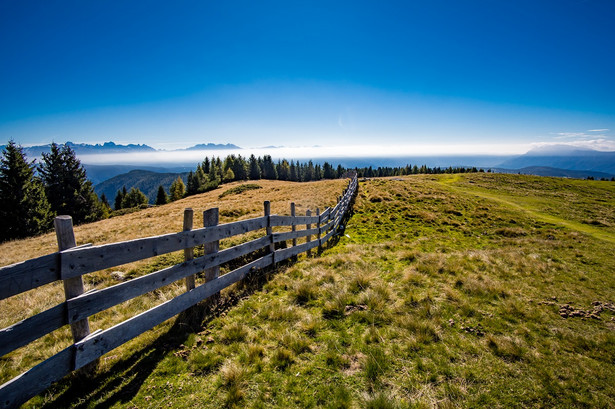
[{"x": 122, "y": 381}]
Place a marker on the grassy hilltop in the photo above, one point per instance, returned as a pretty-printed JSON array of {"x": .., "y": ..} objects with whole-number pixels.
[{"x": 474, "y": 290}]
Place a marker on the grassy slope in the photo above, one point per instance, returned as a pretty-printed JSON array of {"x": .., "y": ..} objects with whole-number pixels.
[
  {"x": 149, "y": 222},
  {"x": 447, "y": 292}
]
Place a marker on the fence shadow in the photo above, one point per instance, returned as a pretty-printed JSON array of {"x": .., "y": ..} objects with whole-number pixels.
[{"x": 121, "y": 382}]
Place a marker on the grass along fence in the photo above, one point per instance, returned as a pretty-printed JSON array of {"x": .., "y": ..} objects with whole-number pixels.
[{"x": 71, "y": 262}]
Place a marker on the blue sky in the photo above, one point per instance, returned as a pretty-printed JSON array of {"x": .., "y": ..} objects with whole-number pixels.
[{"x": 490, "y": 76}]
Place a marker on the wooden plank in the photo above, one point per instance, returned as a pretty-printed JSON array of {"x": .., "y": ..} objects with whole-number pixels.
[
  {"x": 99, "y": 344},
  {"x": 318, "y": 228},
  {"x": 308, "y": 226},
  {"x": 26, "y": 275},
  {"x": 326, "y": 213},
  {"x": 327, "y": 236},
  {"x": 278, "y": 237},
  {"x": 294, "y": 226},
  {"x": 99, "y": 300},
  {"x": 32, "y": 328},
  {"x": 283, "y": 254},
  {"x": 278, "y": 220},
  {"x": 82, "y": 261},
  {"x": 327, "y": 226},
  {"x": 269, "y": 230},
  {"x": 34, "y": 381}
]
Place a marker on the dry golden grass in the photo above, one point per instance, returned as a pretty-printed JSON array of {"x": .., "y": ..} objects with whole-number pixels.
[{"x": 148, "y": 222}]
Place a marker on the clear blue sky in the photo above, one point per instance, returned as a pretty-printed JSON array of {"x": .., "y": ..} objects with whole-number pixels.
[{"x": 255, "y": 73}]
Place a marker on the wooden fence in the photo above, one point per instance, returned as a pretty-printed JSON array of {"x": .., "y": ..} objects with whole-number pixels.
[{"x": 71, "y": 262}]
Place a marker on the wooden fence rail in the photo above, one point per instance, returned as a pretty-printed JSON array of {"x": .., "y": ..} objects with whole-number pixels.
[{"x": 72, "y": 262}]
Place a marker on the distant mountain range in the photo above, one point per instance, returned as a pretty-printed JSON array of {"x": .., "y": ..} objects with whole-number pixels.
[
  {"x": 564, "y": 157},
  {"x": 113, "y": 148}
]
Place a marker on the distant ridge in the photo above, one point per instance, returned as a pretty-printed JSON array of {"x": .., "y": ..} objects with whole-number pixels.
[
  {"x": 564, "y": 157},
  {"x": 210, "y": 146}
]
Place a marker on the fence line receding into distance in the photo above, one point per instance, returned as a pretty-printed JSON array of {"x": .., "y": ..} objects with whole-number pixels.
[{"x": 71, "y": 262}]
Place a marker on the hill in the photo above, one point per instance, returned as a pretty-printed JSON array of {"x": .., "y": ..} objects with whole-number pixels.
[
  {"x": 144, "y": 180},
  {"x": 472, "y": 290}
]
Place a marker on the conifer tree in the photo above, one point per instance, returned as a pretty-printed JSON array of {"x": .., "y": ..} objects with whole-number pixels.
[
  {"x": 67, "y": 187},
  {"x": 255, "y": 169},
  {"x": 134, "y": 198},
  {"x": 229, "y": 175},
  {"x": 117, "y": 203},
  {"x": 177, "y": 189},
  {"x": 161, "y": 197},
  {"x": 268, "y": 168},
  {"x": 106, "y": 207},
  {"x": 293, "y": 172},
  {"x": 24, "y": 209}
]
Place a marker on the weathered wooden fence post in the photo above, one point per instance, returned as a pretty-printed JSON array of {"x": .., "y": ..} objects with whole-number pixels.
[
  {"x": 308, "y": 226},
  {"x": 73, "y": 287},
  {"x": 318, "y": 226},
  {"x": 293, "y": 227},
  {"x": 211, "y": 218},
  {"x": 269, "y": 229},
  {"x": 189, "y": 252}
]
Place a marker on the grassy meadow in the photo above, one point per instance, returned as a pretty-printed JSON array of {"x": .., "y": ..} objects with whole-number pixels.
[{"x": 472, "y": 290}]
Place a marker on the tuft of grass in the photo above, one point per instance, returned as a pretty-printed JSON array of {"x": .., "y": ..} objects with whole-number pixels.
[
  {"x": 282, "y": 358},
  {"x": 376, "y": 363},
  {"x": 204, "y": 362}
]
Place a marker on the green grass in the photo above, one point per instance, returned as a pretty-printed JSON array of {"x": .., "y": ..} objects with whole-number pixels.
[{"x": 443, "y": 292}]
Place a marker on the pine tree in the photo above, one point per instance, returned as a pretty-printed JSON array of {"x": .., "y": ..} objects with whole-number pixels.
[
  {"x": 240, "y": 168},
  {"x": 161, "y": 197},
  {"x": 255, "y": 169},
  {"x": 177, "y": 189},
  {"x": 268, "y": 168},
  {"x": 134, "y": 198},
  {"x": 106, "y": 207},
  {"x": 283, "y": 169},
  {"x": 67, "y": 187},
  {"x": 117, "y": 203},
  {"x": 229, "y": 175},
  {"x": 293, "y": 172},
  {"x": 24, "y": 209},
  {"x": 193, "y": 184}
]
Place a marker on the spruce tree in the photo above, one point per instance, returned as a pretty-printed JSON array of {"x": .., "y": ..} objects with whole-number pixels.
[
  {"x": 161, "y": 197},
  {"x": 255, "y": 169},
  {"x": 177, "y": 189},
  {"x": 24, "y": 209},
  {"x": 68, "y": 189},
  {"x": 134, "y": 198},
  {"x": 117, "y": 203}
]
